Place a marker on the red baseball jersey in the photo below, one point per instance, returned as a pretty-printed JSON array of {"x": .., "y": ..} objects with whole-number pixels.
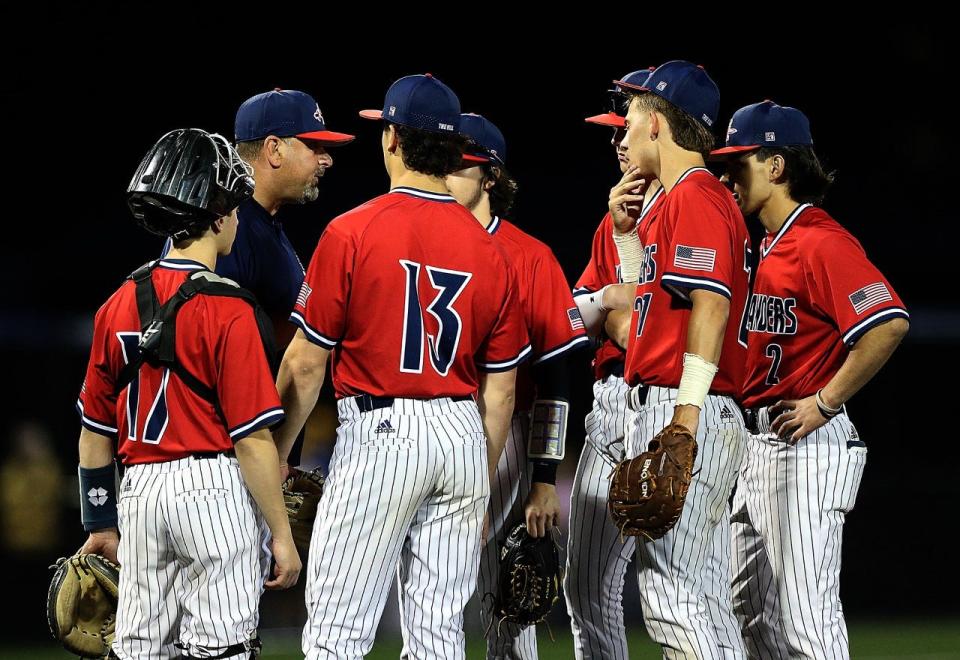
[
  {"x": 694, "y": 239},
  {"x": 157, "y": 417},
  {"x": 413, "y": 297},
  {"x": 603, "y": 269},
  {"x": 552, "y": 319},
  {"x": 815, "y": 295}
]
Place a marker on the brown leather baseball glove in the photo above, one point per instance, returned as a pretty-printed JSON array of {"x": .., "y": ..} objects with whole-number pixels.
[
  {"x": 301, "y": 495},
  {"x": 647, "y": 492}
]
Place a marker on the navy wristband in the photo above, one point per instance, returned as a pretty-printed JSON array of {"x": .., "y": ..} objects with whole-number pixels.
[{"x": 98, "y": 497}]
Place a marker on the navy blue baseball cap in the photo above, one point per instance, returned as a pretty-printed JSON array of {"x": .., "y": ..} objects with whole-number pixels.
[
  {"x": 486, "y": 141},
  {"x": 284, "y": 113},
  {"x": 765, "y": 124},
  {"x": 688, "y": 87},
  {"x": 633, "y": 80},
  {"x": 420, "y": 101}
]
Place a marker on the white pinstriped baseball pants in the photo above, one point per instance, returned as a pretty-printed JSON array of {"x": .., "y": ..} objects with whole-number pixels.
[
  {"x": 683, "y": 576},
  {"x": 406, "y": 494},
  {"x": 193, "y": 555},
  {"x": 788, "y": 515}
]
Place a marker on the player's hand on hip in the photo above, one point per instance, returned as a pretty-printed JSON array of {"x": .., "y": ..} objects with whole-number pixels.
[
  {"x": 103, "y": 542},
  {"x": 626, "y": 200},
  {"x": 287, "y": 568},
  {"x": 792, "y": 420},
  {"x": 542, "y": 509}
]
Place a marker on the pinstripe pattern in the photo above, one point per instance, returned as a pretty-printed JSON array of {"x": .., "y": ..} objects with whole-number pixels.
[
  {"x": 411, "y": 501},
  {"x": 511, "y": 486},
  {"x": 192, "y": 547},
  {"x": 788, "y": 517},
  {"x": 597, "y": 560},
  {"x": 675, "y": 572}
]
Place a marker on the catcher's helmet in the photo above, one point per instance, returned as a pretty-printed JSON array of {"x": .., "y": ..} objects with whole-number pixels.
[{"x": 186, "y": 181}]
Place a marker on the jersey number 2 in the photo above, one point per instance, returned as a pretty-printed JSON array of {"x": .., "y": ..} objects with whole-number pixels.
[
  {"x": 157, "y": 416},
  {"x": 443, "y": 347}
]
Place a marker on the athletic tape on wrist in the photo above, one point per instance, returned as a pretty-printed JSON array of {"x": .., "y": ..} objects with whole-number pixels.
[
  {"x": 696, "y": 380},
  {"x": 630, "y": 251}
]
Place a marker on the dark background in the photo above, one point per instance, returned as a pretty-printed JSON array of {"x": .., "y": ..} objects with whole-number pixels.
[{"x": 81, "y": 110}]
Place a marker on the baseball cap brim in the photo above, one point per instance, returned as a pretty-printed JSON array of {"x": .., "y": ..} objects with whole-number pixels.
[
  {"x": 477, "y": 158},
  {"x": 607, "y": 119},
  {"x": 371, "y": 114},
  {"x": 327, "y": 137},
  {"x": 719, "y": 154},
  {"x": 639, "y": 88}
]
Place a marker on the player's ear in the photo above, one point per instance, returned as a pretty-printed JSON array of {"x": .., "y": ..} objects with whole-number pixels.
[
  {"x": 654, "y": 125},
  {"x": 391, "y": 138},
  {"x": 217, "y": 225},
  {"x": 776, "y": 166}
]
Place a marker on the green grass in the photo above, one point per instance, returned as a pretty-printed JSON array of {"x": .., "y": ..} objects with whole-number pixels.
[{"x": 926, "y": 640}]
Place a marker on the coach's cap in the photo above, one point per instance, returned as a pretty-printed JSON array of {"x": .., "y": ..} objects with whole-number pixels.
[
  {"x": 486, "y": 141},
  {"x": 688, "y": 87},
  {"x": 284, "y": 113},
  {"x": 633, "y": 80},
  {"x": 420, "y": 101},
  {"x": 765, "y": 124}
]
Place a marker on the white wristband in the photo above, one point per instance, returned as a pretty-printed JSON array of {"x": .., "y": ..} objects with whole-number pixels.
[
  {"x": 592, "y": 311},
  {"x": 630, "y": 251},
  {"x": 696, "y": 380}
]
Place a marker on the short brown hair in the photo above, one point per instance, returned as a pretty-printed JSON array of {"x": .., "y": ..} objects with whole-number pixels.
[{"x": 687, "y": 132}]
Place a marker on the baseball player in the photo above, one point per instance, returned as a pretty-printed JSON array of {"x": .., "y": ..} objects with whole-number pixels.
[
  {"x": 186, "y": 389},
  {"x": 524, "y": 486},
  {"x": 689, "y": 257},
  {"x": 419, "y": 309},
  {"x": 597, "y": 557},
  {"x": 822, "y": 321}
]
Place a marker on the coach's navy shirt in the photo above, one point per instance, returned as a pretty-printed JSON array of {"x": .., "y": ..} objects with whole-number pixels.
[{"x": 264, "y": 262}]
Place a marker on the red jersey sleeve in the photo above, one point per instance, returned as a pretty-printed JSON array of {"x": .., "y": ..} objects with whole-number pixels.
[
  {"x": 97, "y": 403},
  {"x": 330, "y": 275},
  {"x": 508, "y": 344},
  {"x": 245, "y": 387},
  {"x": 555, "y": 324},
  {"x": 704, "y": 245},
  {"x": 847, "y": 288},
  {"x": 600, "y": 271}
]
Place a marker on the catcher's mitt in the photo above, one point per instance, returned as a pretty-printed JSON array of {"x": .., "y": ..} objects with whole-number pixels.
[
  {"x": 529, "y": 578},
  {"x": 647, "y": 492},
  {"x": 82, "y": 604},
  {"x": 301, "y": 494}
]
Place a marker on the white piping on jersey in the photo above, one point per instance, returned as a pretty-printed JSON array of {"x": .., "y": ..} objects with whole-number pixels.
[
  {"x": 416, "y": 192},
  {"x": 94, "y": 424},
  {"x": 506, "y": 364},
  {"x": 494, "y": 225},
  {"x": 783, "y": 230},
  {"x": 274, "y": 412},
  {"x": 317, "y": 338},
  {"x": 873, "y": 319},
  {"x": 649, "y": 205},
  {"x": 704, "y": 283},
  {"x": 582, "y": 339},
  {"x": 182, "y": 264}
]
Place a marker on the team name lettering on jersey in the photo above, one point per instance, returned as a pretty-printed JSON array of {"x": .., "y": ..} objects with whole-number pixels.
[{"x": 772, "y": 315}]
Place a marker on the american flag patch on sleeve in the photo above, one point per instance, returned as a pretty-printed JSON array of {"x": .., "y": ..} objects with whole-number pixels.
[
  {"x": 870, "y": 295},
  {"x": 694, "y": 258},
  {"x": 305, "y": 292},
  {"x": 575, "y": 321}
]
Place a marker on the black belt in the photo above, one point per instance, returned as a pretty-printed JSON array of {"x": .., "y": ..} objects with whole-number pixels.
[
  {"x": 368, "y": 402},
  {"x": 641, "y": 395},
  {"x": 213, "y": 454},
  {"x": 751, "y": 419},
  {"x": 612, "y": 369}
]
